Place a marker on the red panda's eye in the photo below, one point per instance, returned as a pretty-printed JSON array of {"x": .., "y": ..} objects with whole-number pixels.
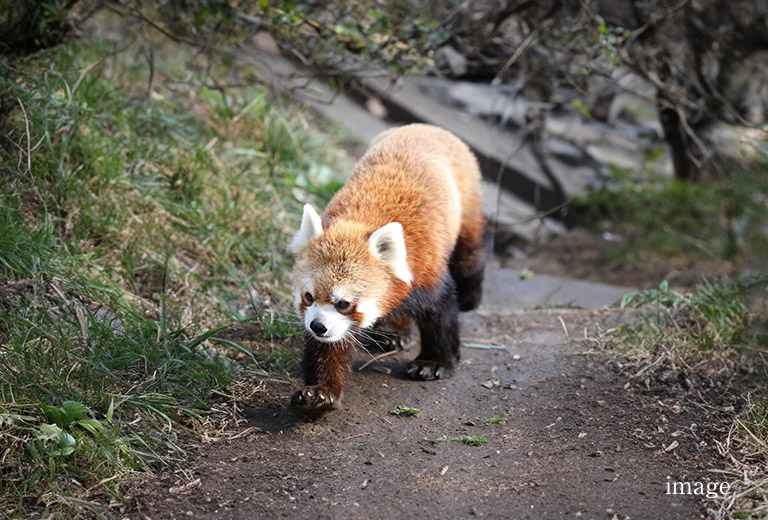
[
  {"x": 308, "y": 298},
  {"x": 342, "y": 305}
]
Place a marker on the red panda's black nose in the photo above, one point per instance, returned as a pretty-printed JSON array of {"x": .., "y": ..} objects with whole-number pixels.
[{"x": 318, "y": 327}]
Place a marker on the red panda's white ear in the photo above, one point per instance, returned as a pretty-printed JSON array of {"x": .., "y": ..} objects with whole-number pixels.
[
  {"x": 311, "y": 227},
  {"x": 387, "y": 243}
]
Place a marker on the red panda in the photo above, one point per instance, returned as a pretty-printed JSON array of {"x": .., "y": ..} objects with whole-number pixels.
[{"x": 404, "y": 236}]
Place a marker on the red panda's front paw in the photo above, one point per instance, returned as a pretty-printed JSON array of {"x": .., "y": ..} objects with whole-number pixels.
[
  {"x": 426, "y": 370},
  {"x": 313, "y": 399}
]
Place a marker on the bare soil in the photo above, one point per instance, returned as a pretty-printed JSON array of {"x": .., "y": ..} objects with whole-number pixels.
[
  {"x": 573, "y": 439},
  {"x": 586, "y": 255}
]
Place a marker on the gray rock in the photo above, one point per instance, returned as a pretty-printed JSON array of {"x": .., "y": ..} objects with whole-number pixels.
[
  {"x": 510, "y": 216},
  {"x": 566, "y": 151},
  {"x": 505, "y": 289},
  {"x": 450, "y": 62}
]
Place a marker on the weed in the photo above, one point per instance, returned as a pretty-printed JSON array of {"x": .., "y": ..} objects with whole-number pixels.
[
  {"x": 404, "y": 411},
  {"x": 684, "y": 332},
  {"x": 716, "y": 315},
  {"x": 279, "y": 359},
  {"x": 475, "y": 440},
  {"x": 282, "y": 327},
  {"x": 495, "y": 420}
]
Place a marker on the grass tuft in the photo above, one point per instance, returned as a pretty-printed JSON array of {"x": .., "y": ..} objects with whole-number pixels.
[
  {"x": 683, "y": 334},
  {"x": 474, "y": 440},
  {"x": 404, "y": 411}
]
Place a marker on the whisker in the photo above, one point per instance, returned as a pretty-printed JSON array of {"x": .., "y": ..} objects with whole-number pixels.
[
  {"x": 357, "y": 331},
  {"x": 375, "y": 337},
  {"x": 360, "y": 344}
]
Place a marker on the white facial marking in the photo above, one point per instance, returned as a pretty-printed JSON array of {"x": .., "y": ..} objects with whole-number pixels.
[
  {"x": 303, "y": 286},
  {"x": 336, "y": 325},
  {"x": 370, "y": 311},
  {"x": 339, "y": 295},
  {"x": 388, "y": 244},
  {"x": 311, "y": 227}
]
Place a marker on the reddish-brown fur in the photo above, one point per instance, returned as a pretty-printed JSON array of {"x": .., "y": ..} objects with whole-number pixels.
[
  {"x": 405, "y": 177},
  {"x": 399, "y": 180}
]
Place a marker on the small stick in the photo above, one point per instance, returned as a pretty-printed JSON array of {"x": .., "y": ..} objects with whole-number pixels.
[{"x": 377, "y": 358}]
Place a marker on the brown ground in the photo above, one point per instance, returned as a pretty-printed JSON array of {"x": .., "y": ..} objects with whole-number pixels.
[
  {"x": 578, "y": 441},
  {"x": 586, "y": 255}
]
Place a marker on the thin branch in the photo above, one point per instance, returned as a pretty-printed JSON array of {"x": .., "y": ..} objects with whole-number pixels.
[
  {"x": 656, "y": 21},
  {"x": 149, "y": 54},
  {"x": 377, "y": 358},
  {"x": 527, "y": 42},
  {"x": 706, "y": 154},
  {"x": 546, "y": 213},
  {"x": 135, "y": 11},
  {"x": 29, "y": 137}
]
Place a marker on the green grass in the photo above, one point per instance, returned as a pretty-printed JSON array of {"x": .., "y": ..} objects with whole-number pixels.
[
  {"x": 133, "y": 229},
  {"x": 473, "y": 440},
  {"x": 404, "y": 411},
  {"x": 718, "y": 218},
  {"x": 685, "y": 333}
]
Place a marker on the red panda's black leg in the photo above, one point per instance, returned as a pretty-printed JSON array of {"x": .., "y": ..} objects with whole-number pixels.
[
  {"x": 326, "y": 367},
  {"x": 390, "y": 333},
  {"x": 467, "y": 266},
  {"x": 438, "y": 320}
]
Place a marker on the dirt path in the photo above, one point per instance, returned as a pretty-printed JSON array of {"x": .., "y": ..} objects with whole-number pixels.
[{"x": 577, "y": 441}]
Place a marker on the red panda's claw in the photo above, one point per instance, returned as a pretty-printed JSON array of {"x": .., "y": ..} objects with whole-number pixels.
[
  {"x": 313, "y": 399},
  {"x": 424, "y": 370}
]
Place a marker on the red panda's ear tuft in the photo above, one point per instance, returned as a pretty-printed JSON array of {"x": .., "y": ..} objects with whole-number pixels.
[
  {"x": 311, "y": 227},
  {"x": 388, "y": 244}
]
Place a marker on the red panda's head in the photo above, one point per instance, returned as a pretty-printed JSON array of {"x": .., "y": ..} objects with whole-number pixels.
[{"x": 345, "y": 276}]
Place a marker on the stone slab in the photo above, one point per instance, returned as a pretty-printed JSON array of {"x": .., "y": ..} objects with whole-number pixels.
[{"x": 505, "y": 289}]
